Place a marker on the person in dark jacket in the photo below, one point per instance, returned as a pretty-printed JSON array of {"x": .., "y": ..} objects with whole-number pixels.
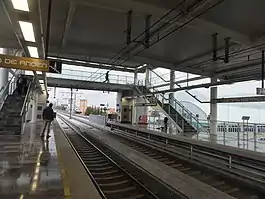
[
  {"x": 25, "y": 85},
  {"x": 19, "y": 85},
  {"x": 48, "y": 116},
  {"x": 107, "y": 77}
]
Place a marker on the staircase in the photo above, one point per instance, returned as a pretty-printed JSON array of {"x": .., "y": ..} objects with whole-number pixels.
[
  {"x": 179, "y": 119},
  {"x": 10, "y": 119},
  {"x": 188, "y": 122}
]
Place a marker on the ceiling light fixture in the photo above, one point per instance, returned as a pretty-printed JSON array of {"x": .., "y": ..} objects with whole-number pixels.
[
  {"x": 21, "y": 5},
  {"x": 33, "y": 51},
  {"x": 27, "y": 31}
]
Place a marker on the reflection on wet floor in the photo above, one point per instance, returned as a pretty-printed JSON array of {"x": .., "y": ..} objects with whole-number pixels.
[{"x": 29, "y": 166}]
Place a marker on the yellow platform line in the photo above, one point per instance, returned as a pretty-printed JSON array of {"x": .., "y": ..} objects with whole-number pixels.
[{"x": 67, "y": 192}]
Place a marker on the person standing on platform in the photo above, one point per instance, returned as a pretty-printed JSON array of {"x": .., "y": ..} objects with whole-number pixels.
[
  {"x": 165, "y": 124},
  {"x": 48, "y": 116}
]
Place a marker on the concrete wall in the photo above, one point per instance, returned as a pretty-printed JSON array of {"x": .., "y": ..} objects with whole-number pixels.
[
  {"x": 140, "y": 111},
  {"x": 119, "y": 105},
  {"x": 42, "y": 103}
]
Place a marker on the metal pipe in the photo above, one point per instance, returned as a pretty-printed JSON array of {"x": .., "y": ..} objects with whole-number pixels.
[
  {"x": 262, "y": 69},
  {"x": 180, "y": 81},
  {"x": 147, "y": 31},
  {"x": 214, "y": 37},
  {"x": 227, "y": 42},
  {"x": 129, "y": 27},
  {"x": 71, "y": 103},
  {"x": 206, "y": 85},
  {"x": 41, "y": 29},
  {"x": 48, "y": 29}
]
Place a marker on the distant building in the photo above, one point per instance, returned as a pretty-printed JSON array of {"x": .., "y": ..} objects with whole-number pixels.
[
  {"x": 111, "y": 111},
  {"x": 83, "y": 106}
]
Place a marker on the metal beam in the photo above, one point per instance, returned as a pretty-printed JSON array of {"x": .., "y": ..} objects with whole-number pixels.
[
  {"x": 180, "y": 81},
  {"x": 147, "y": 31},
  {"x": 47, "y": 41},
  {"x": 129, "y": 27},
  {"x": 207, "y": 85},
  {"x": 214, "y": 42},
  {"x": 227, "y": 43},
  {"x": 13, "y": 22},
  {"x": 69, "y": 20},
  {"x": 262, "y": 69},
  {"x": 87, "y": 85},
  {"x": 87, "y": 64},
  {"x": 239, "y": 99},
  {"x": 41, "y": 30},
  {"x": 79, "y": 50}
]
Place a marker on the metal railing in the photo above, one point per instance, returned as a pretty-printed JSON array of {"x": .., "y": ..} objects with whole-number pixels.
[
  {"x": 141, "y": 88},
  {"x": 192, "y": 119},
  {"x": 27, "y": 99},
  {"x": 91, "y": 76},
  {"x": 5, "y": 91},
  {"x": 249, "y": 136},
  {"x": 236, "y": 134},
  {"x": 26, "y": 102}
]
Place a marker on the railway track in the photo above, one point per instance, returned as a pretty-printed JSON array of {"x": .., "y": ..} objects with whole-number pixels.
[
  {"x": 232, "y": 188},
  {"x": 112, "y": 181}
]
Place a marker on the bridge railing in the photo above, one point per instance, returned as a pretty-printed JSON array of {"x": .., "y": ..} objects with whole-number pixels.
[
  {"x": 249, "y": 136},
  {"x": 92, "y": 76}
]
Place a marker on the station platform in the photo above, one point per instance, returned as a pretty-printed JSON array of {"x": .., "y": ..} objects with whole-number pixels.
[
  {"x": 29, "y": 166},
  {"x": 226, "y": 139},
  {"x": 32, "y": 167}
]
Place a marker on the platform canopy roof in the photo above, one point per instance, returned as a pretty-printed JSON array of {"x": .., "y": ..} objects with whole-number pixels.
[{"x": 97, "y": 31}]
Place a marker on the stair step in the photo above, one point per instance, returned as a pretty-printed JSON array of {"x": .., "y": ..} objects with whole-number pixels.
[{"x": 10, "y": 132}]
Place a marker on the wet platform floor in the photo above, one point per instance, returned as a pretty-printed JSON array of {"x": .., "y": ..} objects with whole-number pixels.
[{"x": 29, "y": 166}]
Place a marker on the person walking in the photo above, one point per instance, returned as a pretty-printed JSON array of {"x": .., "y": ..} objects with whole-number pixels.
[
  {"x": 19, "y": 85},
  {"x": 24, "y": 85},
  {"x": 165, "y": 124},
  {"x": 48, "y": 116},
  {"x": 107, "y": 77}
]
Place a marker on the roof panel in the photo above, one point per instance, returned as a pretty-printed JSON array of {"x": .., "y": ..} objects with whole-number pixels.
[{"x": 7, "y": 35}]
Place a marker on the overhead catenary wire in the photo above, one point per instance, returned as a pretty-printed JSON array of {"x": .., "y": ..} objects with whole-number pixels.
[
  {"x": 231, "y": 54},
  {"x": 193, "y": 18},
  {"x": 141, "y": 34},
  {"x": 172, "y": 31}
]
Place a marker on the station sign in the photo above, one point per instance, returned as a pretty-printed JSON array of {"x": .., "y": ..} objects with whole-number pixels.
[
  {"x": 28, "y": 63},
  {"x": 239, "y": 99}
]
